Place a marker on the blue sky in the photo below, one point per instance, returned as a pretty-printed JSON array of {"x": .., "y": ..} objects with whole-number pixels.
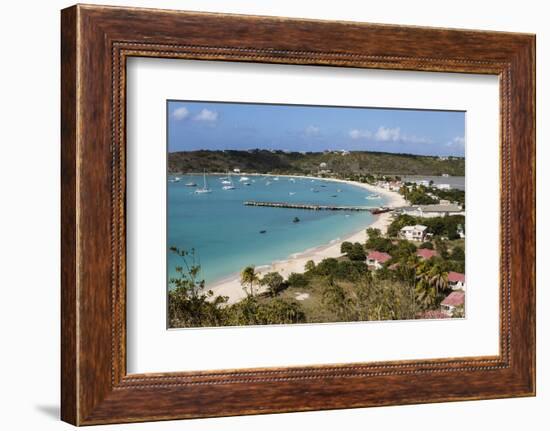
[{"x": 242, "y": 126}]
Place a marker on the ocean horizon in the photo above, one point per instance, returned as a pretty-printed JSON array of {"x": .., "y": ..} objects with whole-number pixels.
[{"x": 228, "y": 236}]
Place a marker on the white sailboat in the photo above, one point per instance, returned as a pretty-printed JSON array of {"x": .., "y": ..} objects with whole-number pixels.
[
  {"x": 228, "y": 183},
  {"x": 227, "y": 180},
  {"x": 204, "y": 189},
  {"x": 243, "y": 179}
]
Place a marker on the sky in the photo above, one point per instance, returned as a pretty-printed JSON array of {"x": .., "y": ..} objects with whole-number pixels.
[{"x": 243, "y": 126}]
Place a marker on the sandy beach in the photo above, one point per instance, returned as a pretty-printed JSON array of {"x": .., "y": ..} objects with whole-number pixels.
[{"x": 231, "y": 286}]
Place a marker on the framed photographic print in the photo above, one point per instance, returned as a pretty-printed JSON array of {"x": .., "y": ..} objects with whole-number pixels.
[{"x": 260, "y": 216}]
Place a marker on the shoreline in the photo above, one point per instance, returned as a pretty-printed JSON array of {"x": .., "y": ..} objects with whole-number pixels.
[{"x": 230, "y": 286}]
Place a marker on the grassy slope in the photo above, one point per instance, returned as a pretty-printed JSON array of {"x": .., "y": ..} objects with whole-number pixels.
[{"x": 264, "y": 161}]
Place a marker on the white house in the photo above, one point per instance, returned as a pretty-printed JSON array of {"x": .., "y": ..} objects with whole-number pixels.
[
  {"x": 237, "y": 170},
  {"x": 451, "y": 302},
  {"x": 377, "y": 259},
  {"x": 457, "y": 280},
  {"x": 413, "y": 233}
]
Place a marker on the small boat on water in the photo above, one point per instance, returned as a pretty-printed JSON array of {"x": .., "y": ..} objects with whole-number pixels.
[
  {"x": 268, "y": 183},
  {"x": 375, "y": 196},
  {"x": 228, "y": 183},
  {"x": 276, "y": 179},
  {"x": 291, "y": 193},
  {"x": 296, "y": 220},
  {"x": 247, "y": 183},
  {"x": 334, "y": 196},
  {"x": 339, "y": 190},
  {"x": 204, "y": 189},
  {"x": 314, "y": 190},
  {"x": 263, "y": 231},
  {"x": 292, "y": 180},
  {"x": 322, "y": 185},
  {"x": 243, "y": 179}
]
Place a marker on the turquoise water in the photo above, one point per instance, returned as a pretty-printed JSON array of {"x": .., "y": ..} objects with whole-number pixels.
[{"x": 226, "y": 234}]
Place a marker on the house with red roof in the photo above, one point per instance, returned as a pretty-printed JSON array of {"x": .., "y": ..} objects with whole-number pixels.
[
  {"x": 457, "y": 280},
  {"x": 377, "y": 259},
  {"x": 425, "y": 253},
  {"x": 451, "y": 302}
]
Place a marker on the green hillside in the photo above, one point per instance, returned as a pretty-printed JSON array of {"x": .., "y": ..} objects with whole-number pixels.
[{"x": 279, "y": 162}]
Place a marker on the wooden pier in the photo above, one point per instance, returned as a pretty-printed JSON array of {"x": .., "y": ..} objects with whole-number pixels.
[{"x": 312, "y": 207}]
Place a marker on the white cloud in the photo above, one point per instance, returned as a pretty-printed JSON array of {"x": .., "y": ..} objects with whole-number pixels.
[
  {"x": 180, "y": 113},
  {"x": 360, "y": 134},
  {"x": 206, "y": 115},
  {"x": 386, "y": 134},
  {"x": 312, "y": 130},
  {"x": 456, "y": 142}
]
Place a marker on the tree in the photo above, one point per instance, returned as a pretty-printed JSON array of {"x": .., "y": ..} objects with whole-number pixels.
[
  {"x": 297, "y": 280},
  {"x": 357, "y": 252},
  {"x": 431, "y": 283},
  {"x": 189, "y": 305},
  {"x": 373, "y": 233},
  {"x": 249, "y": 279},
  {"x": 441, "y": 248},
  {"x": 346, "y": 247},
  {"x": 458, "y": 254},
  {"x": 273, "y": 281},
  {"x": 428, "y": 245},
  {"x": 309, "y": 266},
  {"x": 335, "y": 300}
]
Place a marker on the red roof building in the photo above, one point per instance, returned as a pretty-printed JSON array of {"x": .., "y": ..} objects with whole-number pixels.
[
  {"x": 455, "y": 277},
  {"x": 451, "y": 302},
  {"x": 426, "y": 253},
  {"x": 377, "y": 258}
]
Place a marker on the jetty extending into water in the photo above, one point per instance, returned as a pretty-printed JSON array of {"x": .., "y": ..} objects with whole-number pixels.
[{"x": 313, "y": 207}]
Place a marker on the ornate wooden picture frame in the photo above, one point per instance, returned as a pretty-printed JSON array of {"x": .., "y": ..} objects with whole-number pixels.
[{"x": 96, "y": 42}]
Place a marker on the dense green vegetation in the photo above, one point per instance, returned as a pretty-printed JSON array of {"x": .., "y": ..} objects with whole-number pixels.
[
  {"x": 352, "y": 165},
  {"x": 334, "y": 290}
]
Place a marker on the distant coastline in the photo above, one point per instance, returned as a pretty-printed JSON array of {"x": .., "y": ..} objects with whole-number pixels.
[{"x": 231, "y": 287}]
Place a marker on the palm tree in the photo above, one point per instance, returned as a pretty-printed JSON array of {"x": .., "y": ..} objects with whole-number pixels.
[
  {"x": 249, "y": 279},
  {"x": 430, "y": 283}
]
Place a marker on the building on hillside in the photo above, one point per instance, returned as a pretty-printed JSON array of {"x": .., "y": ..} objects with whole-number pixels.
[
  {"x": 377, "y": 259},
  {"x": 435, "y": 210},
  {"x": 413, "y": 233},
  {"x": 425, "y": 253},
  {"x": 457, "y": 280},
  {"x": 452, "y": 302}
]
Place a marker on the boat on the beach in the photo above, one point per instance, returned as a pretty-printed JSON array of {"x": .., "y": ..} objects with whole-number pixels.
[{"x": 204, "y": 189}]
